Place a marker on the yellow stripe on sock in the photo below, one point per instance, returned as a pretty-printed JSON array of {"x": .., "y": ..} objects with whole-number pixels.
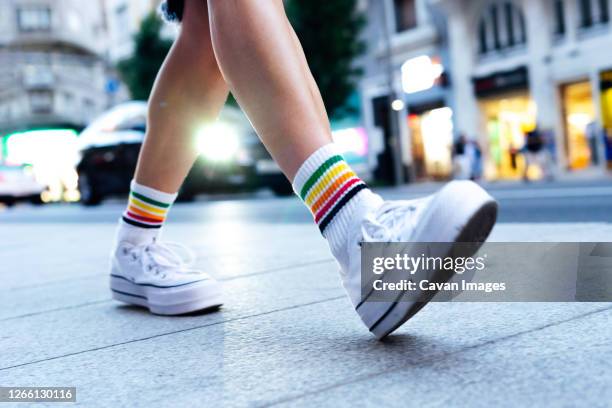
[
  {"x": 146, "y": 207},
  {"x": 325, "y": 181}
]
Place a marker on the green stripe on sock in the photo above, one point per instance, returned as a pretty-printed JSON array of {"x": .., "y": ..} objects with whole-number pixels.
[
  {"x": 150, "y": 200},
  {"x": 317, "y": 174}
]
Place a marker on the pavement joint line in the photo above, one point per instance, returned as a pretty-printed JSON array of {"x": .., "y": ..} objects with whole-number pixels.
[
  {"x": 432, "y": 359},
  {"x": 58, "y": 309},
  {"x": 280, "y": 268},
  {"x": 247, "y": 275},
  {"x": 76, "y": 353},
  {"x": 86, "y": 304}
]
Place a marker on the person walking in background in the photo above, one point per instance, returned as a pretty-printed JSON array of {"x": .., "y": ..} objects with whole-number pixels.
[
  {"x": 531, "y": 150},
  {"x": 475, "y": 154},
  {"x": 249, "y": 48},
  {"x": 593, "y": 133},
  {"x": 461, "y": 160},
  {"x": 536, "y": 153}
]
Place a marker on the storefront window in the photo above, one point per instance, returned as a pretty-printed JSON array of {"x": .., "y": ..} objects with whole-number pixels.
[
  {"x": 580, "y": 127},
  {"x": 606, "y": 109},
  {"x": 432, "y": 137},
  {"x": 508, "y": 118}
]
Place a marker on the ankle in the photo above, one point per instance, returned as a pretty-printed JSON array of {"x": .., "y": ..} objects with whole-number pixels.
[
  {"x": 336, "y": 196},
  {"x": 145, "y": 214},
  {"x": 343, "y": 230}
]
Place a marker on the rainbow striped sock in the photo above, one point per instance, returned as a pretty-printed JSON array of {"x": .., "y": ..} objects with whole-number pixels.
[
  {"x": 332, "y": 192},
  {"x": 147, "y": 207}
]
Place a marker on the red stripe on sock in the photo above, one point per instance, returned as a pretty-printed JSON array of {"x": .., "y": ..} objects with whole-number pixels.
[
  {"x": 144, "y": 219},
  {"x": 335, "y": 198}
]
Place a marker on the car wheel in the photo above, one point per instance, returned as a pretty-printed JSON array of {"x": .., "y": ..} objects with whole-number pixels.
[
  {"x": 9, "y": 201},
  {"x": 282, "y": 188},
  {"x": 36, "y": 200},
  {"x": 89, "y": 195}
]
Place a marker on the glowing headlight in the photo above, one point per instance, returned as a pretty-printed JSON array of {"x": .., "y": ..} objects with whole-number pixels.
[{"x": 218, "y": 142}]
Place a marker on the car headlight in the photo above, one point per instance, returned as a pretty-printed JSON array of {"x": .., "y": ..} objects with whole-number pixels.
[{"x": 218, "y": 142}]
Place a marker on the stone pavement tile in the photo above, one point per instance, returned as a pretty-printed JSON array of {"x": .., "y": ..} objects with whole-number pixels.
[
  {"x": 72, "y": 330},
  {"x": 286, "y": 354},
  {"x": 56, "y": 253},
  {"x": 35, "y": 283},
  {"x": 51, "y": 253},
  {"x": 566, "y": 364},
  {"x": 264, "y": 346}
]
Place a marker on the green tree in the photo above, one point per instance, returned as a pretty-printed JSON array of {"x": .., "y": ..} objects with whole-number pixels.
[
  {"x": 330, "y": 34},
  {"x": 150, "y": 49}
]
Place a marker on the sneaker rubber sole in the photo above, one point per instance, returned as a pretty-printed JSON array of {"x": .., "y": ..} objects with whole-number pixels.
[
  {"x": 169, "y": 300},
  {"x": 461, "y": 212}
]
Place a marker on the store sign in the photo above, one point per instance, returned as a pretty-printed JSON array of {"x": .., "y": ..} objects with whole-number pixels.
[{"x": 502, "y": 81}]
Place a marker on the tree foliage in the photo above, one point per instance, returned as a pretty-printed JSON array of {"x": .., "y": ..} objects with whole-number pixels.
[
  {"x": 329, "y": 31},
  {"x": 150, "y": 49}
]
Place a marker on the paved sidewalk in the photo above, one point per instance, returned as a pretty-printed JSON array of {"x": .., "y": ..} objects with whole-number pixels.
[{"x": 287, "y": 335}]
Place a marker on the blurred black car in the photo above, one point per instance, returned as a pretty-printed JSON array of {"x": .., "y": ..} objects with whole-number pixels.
[{"x": 231, "y": 156}]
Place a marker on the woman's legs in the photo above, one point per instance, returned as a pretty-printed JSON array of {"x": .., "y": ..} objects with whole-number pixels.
[
  {"x": 189, "y": 90},
  {"x": 264, "y": 66}
]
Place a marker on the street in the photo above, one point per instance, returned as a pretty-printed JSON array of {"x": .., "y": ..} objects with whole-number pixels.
[
  {"x": 287, "y": 334},
  {"x": 561, "y": 202}
]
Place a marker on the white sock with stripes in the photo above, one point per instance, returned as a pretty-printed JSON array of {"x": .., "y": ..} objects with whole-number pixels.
[
  {"x": 335, "y": 195},
  {"x": 145, "y": 214}
]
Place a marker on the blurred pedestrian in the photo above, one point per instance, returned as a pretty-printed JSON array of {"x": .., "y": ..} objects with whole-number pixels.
[
  {"x": 536, "y": 153},
  {"x": 461, "y": 161},
  {"x": 475, "y": 153},
  {"x": 593, "y": 134},
  {"x": 250, "y": 48}
]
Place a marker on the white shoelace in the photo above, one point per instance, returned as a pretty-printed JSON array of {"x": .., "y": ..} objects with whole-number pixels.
[
  {"x": 160, "y": 258},
  {"x": 394, "y": 221}
]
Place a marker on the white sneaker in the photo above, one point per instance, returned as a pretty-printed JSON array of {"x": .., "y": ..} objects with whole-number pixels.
[
  {"x": 461, "y": 212},
  {"x": 158, "y": 277}
]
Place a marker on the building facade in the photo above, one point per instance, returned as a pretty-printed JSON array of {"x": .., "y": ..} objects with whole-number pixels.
[
  {"x": 51, "y": 65},
  {"x": 123, "y": 18},
  {"x": 526, "y": 64},
  {"x": 406, "y": 80},
  {"x": 509, "y": 67}
]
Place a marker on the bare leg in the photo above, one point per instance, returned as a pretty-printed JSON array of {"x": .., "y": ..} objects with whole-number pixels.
[
  {"x": 263, "y": 65},
  {"x": 189, "y": 91}
]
